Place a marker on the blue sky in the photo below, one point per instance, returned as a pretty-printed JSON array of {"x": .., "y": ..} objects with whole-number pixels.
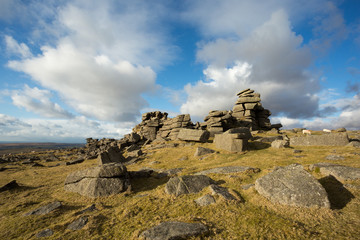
[{"x": 85, "y": 68}]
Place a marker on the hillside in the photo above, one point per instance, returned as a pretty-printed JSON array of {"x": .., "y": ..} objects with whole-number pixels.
[{"x": 127, "y": 215}]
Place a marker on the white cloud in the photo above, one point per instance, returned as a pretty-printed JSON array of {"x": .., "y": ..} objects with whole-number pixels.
[
  {"x": 71, "y": 130},
  {"x": 14, "y": 48},
  {"x": 279, "y": 61},
  {"x": 38, "y": 101},
  {"x": 95, "y": 88}
]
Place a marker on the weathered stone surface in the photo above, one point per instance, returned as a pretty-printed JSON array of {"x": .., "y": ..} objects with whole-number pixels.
[
  {"x": 99, "y": 181},
  {"x": 242, "y": 132},
  {"x": 202, "y": 151},
  {"x": 45, "y": 209},
  {"x": 97, "y": 187},
  {"x": 45, "y": 233},
  {"x": 294, "y": 186},
  {"x": 187, "y": 184},
  {"x": 113, "y": 155},
  {"x": 174, "y": 230},
  {"x": 340, "y": 172},
  {"x": 248, "y": 100},
  {"x": 222, "y": 192},
  {"x": 91, "y": 208},
  {"x": 111, "y": 170},
  {"x": 340, "y": 130},
  {"x": 280, "y": 144},
  {"x": 228, "y": 169},
  {"x": 205, "y": 200},
  {"x": 332, "y": 139},
  {"x": 193, "y": 135},
  {"x": 334, "y": 157},
  {"x": 230, "y": 142},
  {"x": 78, "y": 223},
  {"x": 11, "y": 185}
]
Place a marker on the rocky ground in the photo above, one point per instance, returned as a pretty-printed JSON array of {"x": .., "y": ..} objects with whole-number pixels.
[{"x": 277, "y": 185}]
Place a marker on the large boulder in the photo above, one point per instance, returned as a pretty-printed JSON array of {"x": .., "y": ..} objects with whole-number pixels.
[
  {"x": 332, "y": 139},
  {"x": 294, "y": 186},
  {"x": 193, "y": 135},
  {"x": 99, "y": 181},
  {"x": 174, "y": 230},
  {"x": 232, "y": 142},
  {"x": 340, "y": 172},
  {"x": 187, "y": 184}
]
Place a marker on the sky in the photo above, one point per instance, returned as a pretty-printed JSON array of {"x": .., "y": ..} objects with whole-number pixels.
[{"x": 85, "y": 68}]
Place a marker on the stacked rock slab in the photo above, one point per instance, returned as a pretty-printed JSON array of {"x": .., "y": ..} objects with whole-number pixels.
[
  {"x": 249, "y": 111},
  {"x": 233, "y": 140},
  {"x": 157, "y": 124},
  {"x": 218, "y": 122}
]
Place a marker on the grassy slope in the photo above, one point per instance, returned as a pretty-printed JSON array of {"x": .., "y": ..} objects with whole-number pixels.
[{"x": 124, "y": 216}]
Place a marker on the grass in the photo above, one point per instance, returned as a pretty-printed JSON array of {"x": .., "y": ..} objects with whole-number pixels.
[{"x": 126, "y": 215}]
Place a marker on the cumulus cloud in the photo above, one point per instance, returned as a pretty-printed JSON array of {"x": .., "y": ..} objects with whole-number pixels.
[
  {"x": 61, "y": 130},
  {"x": 38, "y": 101},
  {"x": 104, "y": 60},
  {"x": 279, "y": 61},
  {"x": 14, "y": 48}
]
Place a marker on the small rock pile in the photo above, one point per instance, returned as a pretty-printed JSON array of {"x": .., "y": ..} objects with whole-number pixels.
[
  {"x": 250, "y": 112},
  {"x": 218, "y": 121}
]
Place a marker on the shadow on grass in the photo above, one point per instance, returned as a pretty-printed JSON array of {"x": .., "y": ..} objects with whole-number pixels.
[
  {"x": 338, "y": 195},
  {"x": 258, "y": 145},
  {"x": 146, "y": 184}
]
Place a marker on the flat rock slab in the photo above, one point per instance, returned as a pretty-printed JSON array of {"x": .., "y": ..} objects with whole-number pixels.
[
  {"x": 187, "y": 184},
  {"x": 334, "y": 157},
  {"x": 340, "y": 172},
  {"x": 174, "y": 230},
  {"x": 293, "y": 186},
  {"x": 205, "y": 200},
  {"x": 332, "y": 139},
  {"x": 78, "y": 223},
  {"x": 193, "y": 135},
  {"x": 45, "y": 209},
  {"x": 45, "y": 233},
  {"x": 202, "y": 151},
  {"x": 228, "y": 169},
  {"x": 222, "y": 192}
]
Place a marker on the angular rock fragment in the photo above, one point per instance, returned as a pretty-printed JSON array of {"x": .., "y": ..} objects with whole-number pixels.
[
  {"x": 340, "y": 172},
  {"x": 202, "y": 151},
  {"x": 174, "y": 230},
  {"x": 193, "y": 135},
  {"x": 187, "y": 184},
  {"x": 45, "y": 209},
  {"x": 78, "y": 223},
  {"x": 205, "y": 200},
  {"x": 293, "y": 186},
  {"x": 222, "y": 192}
]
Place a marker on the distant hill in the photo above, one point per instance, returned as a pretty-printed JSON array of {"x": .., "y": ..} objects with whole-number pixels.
[{"x": 16, "y": 147}]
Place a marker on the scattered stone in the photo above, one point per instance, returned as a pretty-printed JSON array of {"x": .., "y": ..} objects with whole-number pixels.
[
  {"x": 280, "y": 144},
  {"x": 45, "y": 233},
  {"x": 187, "y": 184},
  {"x": 202, "y": 151},
  {"x": 193, "y": 135},
  {"x": 76, "y": 161},
  {"x": 332, "y": 139},
  {"x": 340, "y": 172},
  {"x": 229, "y": 169},
  {"x": 99, "y": 181},
  {"x": 9, "y": 186},
  {"x": 78, "y": 223},
  {"x": 154, "y": 162},
  {"x": 297, "y": 151},
  {"x": 45, "y": 209},
  {"x": 247, "y": 186},
  {"x": 174, "y": 230},
  {"x": 222, "y": 192},
  {"x": 88, "y": 209},
  {"x": 269, "y": 139},
  {"x": 37, "y": 165},
  {"x": 293, "y": 186},
  {"x": 334, "y": 157},
  {"x": 205, "y": 200}
]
